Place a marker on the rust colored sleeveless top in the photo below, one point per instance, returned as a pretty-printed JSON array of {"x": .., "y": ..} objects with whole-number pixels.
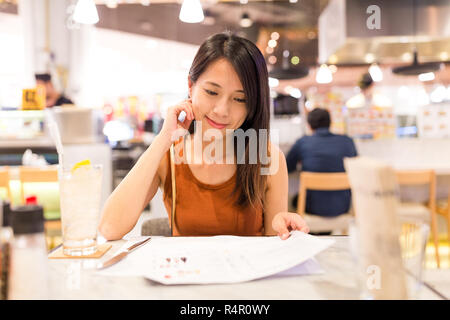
[{"x": 206, "y": 210}]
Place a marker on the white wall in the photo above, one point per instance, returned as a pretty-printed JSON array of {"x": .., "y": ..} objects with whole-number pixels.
[
  {"x": 12, "y": 70},
  {"x": 121, "y": 63}
]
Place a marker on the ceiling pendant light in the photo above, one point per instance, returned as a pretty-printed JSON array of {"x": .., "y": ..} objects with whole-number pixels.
[
  {"x": 245, "y": 22},
  {"x": 191, "y": 11},
  {"x": 417, "y": 68},
  {"x": 112, "y": 4},
  {"x": 324, "y": 75},
  {"x": 375, "y": 72},
  {"x": 85, "y": 12},
  {"x": 427, "y": 76}
]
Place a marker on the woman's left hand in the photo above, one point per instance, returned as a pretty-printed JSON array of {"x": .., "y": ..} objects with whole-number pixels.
[{"x": 284, "y": 222}]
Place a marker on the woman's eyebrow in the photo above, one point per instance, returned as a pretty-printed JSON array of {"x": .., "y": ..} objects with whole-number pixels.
[{"x": 219, "y": 86}]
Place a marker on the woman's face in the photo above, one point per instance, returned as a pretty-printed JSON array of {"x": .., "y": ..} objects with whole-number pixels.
[{"x": 218, "y": 98}]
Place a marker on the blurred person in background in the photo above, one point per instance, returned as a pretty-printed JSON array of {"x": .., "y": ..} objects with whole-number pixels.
[
  {"x": 369, "y": 96},
  {"x": 53, "y": 97},
  {"x": 323, "y": 151}
]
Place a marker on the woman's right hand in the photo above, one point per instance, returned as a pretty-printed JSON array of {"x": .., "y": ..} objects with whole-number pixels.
[{"x": 171, "y": 126}]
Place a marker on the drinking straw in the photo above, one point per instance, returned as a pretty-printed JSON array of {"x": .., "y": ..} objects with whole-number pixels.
[{"x": 54, "y": 133}]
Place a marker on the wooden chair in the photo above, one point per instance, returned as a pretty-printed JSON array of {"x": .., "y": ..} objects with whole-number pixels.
[
  {"x": 418, "y": 211},
  {"x": 323, "y": 182},
  {"x": 4, "y": 182},
  {"x": 443, "y": 208},
  {"x": 33, "y": 175},
  {"x": 156, "y": 227},
  {"x": 30, "y": 175}
]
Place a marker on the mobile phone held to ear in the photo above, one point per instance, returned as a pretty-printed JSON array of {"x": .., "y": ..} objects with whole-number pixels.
[{"x": 182, "y": 116}]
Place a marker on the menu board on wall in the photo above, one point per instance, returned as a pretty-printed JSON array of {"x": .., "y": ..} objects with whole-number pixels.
[
  {"x": 366, "y": 121},
  {"x": 433, "y": 121},
  {"x": 333, "y": 102},
  {"x": 371, "y": 122}
]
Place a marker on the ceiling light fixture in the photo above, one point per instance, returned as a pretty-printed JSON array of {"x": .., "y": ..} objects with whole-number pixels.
[
  {"x": 272, "y": 43},
  {"x": 369, "y": 57},
  {"x": 191, "y": 11},
  {"x": 245, "y": 21},
  {"x": 295, "y": 93},
  {"x": 333, "y": 59},
  {"x": 272, "y": 59},
  {"x": 85, "y": 12},
  {"x": 324, "y": 75},
  {"x": 295, "y": 60},
  {"x": 416, "y": 68},
  {"x": 112, "y": 4},
  {"x": 273, "y": 82},
  {"x": 428, "y": 76},
  {"x": 269, "y": 50},
  {"x": 209, "y": 18},
  {"x": 375, "y": 72},
  {"x": 332, "y": 68}
]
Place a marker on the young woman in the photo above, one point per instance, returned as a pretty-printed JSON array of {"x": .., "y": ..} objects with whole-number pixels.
[{"x": 228, "y": 94}]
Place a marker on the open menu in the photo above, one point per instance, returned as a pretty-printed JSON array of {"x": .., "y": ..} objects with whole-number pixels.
[{"x": 220, "y": 259}]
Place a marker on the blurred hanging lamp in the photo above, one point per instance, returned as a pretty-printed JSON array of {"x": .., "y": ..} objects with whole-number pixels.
[
  {"x": 416, "y": 68},
  {"x": 112, "y": 4},
  {"x": 209, "y": 18},
  {"x": 429, "y": 76},
  {"x": 85, "y": 12},
  {"x": 245, "y": 22},
  {"x": 324, "y": 75},
  {"x": 375, "y": 72},
  {"x": 191, "y": 11}
]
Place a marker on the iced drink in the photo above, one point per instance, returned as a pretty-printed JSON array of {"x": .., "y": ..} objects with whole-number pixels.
[{"x": 80, "y": 193}]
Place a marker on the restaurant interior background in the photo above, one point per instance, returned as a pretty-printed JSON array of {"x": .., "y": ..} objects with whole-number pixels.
[{"x": 125, "y": 70}]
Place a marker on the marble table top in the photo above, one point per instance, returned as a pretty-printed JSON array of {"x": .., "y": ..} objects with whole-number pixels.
[{"x": 78, "y": 279}]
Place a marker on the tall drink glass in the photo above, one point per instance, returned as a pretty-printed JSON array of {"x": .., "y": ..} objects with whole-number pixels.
[
  {"x": 413, "y": 238},
  {"x": 80, "y": 194}
]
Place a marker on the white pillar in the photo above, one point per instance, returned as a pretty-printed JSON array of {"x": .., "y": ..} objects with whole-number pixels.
[{"x": 54, "y": 43}]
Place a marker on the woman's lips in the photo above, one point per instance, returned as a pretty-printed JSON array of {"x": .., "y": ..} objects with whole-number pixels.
[{"x": 215, "y": 124}]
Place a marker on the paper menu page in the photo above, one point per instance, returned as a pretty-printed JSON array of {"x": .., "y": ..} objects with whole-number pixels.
[{"x": 219, "y": 259}]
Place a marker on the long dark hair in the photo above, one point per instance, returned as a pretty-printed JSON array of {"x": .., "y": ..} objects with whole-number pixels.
[{"x": 251, "y": 68}]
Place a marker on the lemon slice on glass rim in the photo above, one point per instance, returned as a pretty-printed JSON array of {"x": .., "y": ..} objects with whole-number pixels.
[{"x": 80, "y": 164}]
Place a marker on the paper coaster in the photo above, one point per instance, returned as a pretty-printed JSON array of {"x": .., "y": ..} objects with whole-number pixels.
[{"x": 101, "y": 250}]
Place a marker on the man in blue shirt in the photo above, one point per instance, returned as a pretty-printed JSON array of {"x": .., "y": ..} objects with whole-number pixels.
[{"x": 322, "y": 152}]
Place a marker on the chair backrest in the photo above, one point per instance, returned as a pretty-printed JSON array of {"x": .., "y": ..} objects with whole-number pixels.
[
  {"x": 320, "y": 181},
  {"x": 419, "y": 177},
  {"x": 4, "y": 182},
  {"x": 29, "y": 175},
  {"x": 156, "y": 227}
]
